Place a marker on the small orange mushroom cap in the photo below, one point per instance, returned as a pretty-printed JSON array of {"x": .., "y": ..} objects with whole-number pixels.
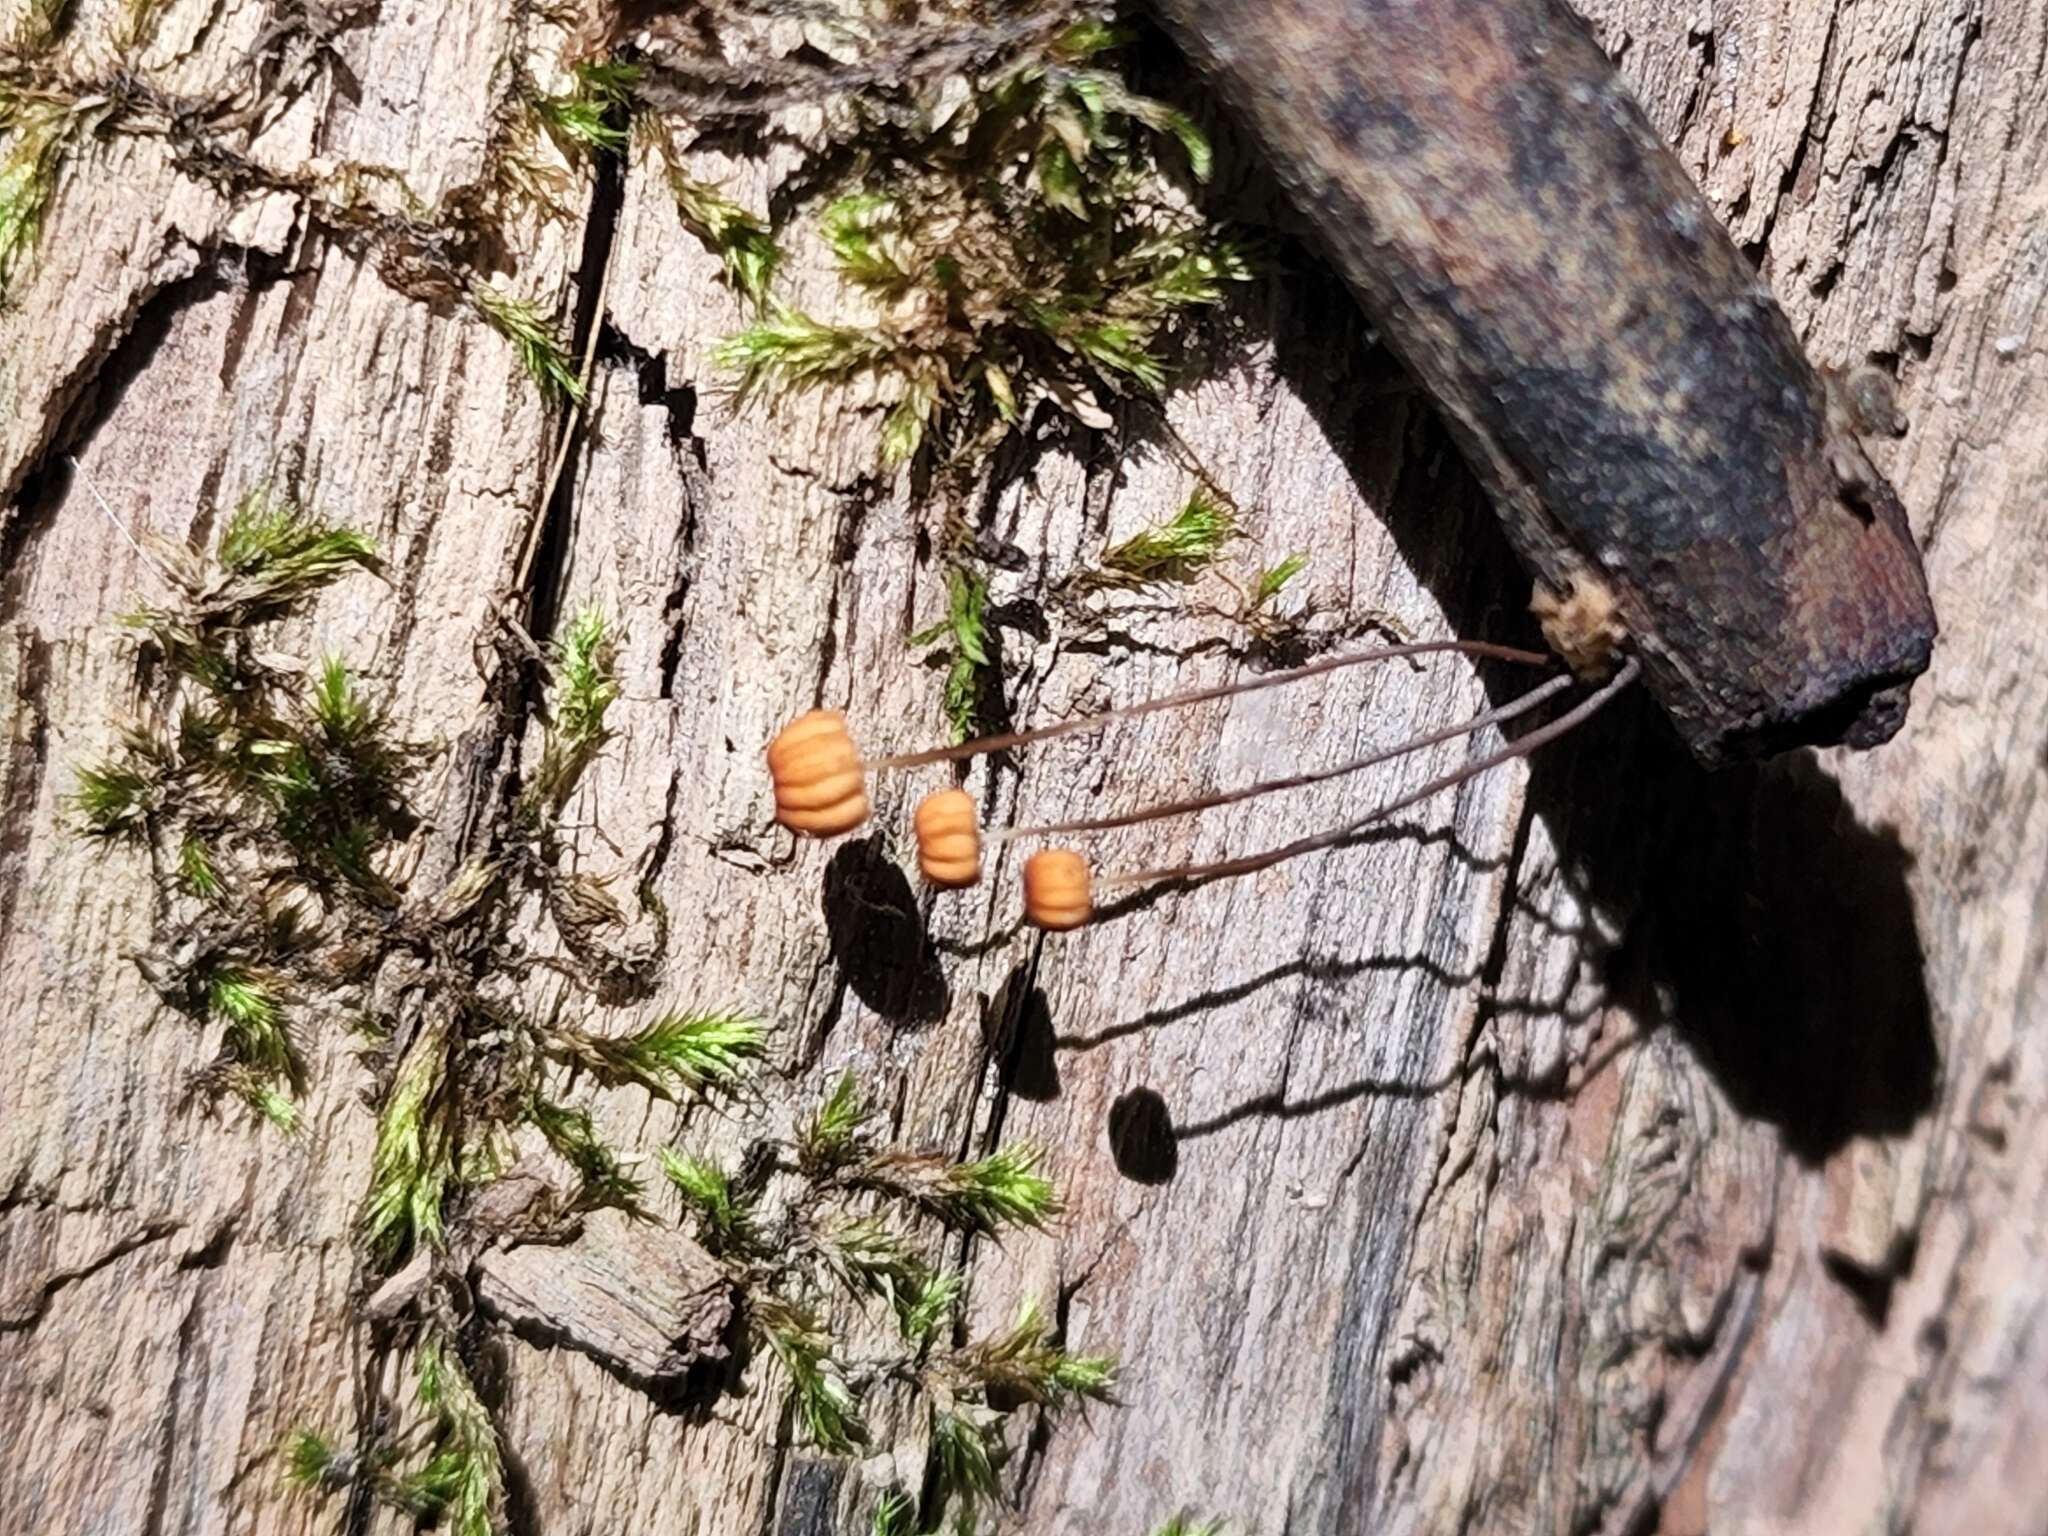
[
  {"x": 1057, "y": 891},
  {"x": 949, "y": 839},
  {"x": 820, "y": 787}
]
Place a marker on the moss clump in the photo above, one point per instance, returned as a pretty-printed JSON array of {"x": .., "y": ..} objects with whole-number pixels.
[
  {"x": 963, "y": 640},
  {"x": 840, "y": 1223},
  {"x": 265, "y": 800},
  {"x": 1015, "y": 235},
  {"x": 1015, "y": 230},
  {"x": 437, "y": 251},
  {"x": 1177, "y": 550},
  {"x": 276, "y": 809}
]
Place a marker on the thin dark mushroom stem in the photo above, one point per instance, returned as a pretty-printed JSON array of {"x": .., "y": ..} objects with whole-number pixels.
[
  {"x": 1521, "y": 746},
  {"x": 1497, "y": 716},
  {"x": 1477, "y": 649}
]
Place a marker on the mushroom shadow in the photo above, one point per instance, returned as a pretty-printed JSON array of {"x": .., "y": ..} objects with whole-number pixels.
[
  {"x": 1016, "y": 1028},
  {"x": 1142, "y": 1138},
  {"x": 878, "y": 937}
]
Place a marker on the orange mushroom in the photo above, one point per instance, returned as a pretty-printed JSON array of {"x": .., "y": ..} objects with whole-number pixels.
[
  {"x": 949, "y": 839},
  {"x": 820, "y": 786},
  {"x": 1056, "y": 889}
]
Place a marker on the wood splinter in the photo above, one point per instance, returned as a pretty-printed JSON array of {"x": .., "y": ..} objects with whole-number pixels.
[{"x": 1615, "y": 371}]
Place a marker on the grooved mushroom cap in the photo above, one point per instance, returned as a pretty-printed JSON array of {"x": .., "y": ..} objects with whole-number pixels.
[
  {"x": 1056, "y": 889},
  {"x": 949, "y": 839},
  {"x": 820, "y": 787}
]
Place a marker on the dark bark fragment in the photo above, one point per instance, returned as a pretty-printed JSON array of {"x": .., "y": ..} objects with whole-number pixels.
[{"x": 1626, "y": 385}]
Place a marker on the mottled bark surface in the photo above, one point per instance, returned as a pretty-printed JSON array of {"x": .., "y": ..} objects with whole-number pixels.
[
  {"x": 1635, "y": 404},
  {"x": 1607, "y": 1144}
]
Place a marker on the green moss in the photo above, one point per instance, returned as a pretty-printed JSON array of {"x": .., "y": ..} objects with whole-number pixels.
[
  {"x": 963, "y": 638},
  {"x": 1174, "y": 551},
  {"x": 675, "y": 1053},
  {"x": 745, "y": 246},
  {"x": 1273, "y": 579},
  {"x": 1032, "y": 245},
  {"x": 34, "y": 139},
  {"x": 602, "y": 1179},
  {"x": 541, "y": 353},
  {"x": 590, "y": 117},
  {"x": 1019, "y": 243},
  {"x": 583, "y": 686},
  {"x": 463, "y": 1482},
  {"x": 725, "y": 1219},
  {"x": 113, "y": 799},
  {"x": 825, "y": 1400},
  {"x": 412, "y": 1164}
]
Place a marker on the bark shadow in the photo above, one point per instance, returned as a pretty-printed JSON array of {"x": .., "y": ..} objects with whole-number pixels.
[
  {"x": 808, "y": 1496},
  {"x": 1760, "y": 918},
  {"x": 878, "y": 936},
  {"x": 1768, "y": 926}
]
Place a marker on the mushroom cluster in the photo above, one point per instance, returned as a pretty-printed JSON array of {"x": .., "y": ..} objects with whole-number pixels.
[{"x": 821, "y": 783}]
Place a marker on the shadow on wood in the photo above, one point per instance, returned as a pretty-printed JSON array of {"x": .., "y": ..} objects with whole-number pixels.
[
  {"x": 1776, "y": 934},
  {"x": 878, "y": 937},
  {"x": 1142, "y": 1138},
  {"x": 1016, "y": 1028},
  {"x": 1761, "y": 921}
]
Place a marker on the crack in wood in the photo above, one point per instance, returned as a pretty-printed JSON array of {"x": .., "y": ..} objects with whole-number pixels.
[{"x": 28, "y": 1311}]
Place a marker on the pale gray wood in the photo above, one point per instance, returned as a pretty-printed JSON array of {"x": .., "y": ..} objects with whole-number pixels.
[
  {"x": 641, "y": 1299},
  {"x": 1612, "y": 1144}
]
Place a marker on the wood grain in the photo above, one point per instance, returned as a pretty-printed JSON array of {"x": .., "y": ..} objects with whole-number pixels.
[{"x": 1608, "y": 1146}]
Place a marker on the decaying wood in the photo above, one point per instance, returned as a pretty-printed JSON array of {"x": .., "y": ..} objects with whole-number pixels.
[
  {"x": 640, "y": 1299},
  {"x": 1625, "y": 384},
  {"x": 1609, "y": 1147}
]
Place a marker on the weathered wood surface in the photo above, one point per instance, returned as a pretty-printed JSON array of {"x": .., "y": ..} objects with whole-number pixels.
[
  {"x": 1606, "y": 1143},
  {"x": 638, "y": 1297}
]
